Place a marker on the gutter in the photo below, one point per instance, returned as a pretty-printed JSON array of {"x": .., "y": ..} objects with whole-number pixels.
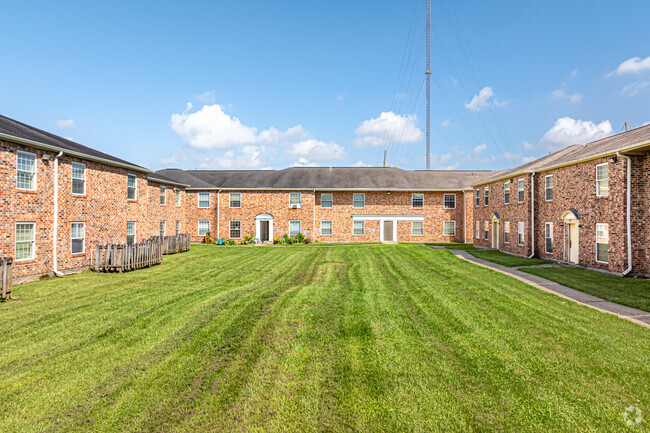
[
  {"x": 628, "y": 211},
  {"x": 56, "y": 215},
  {"x": 218, "y": 219},
  {"x": 74, "y": 153},
  {"x": 532, "y": 215},
  {"x": 313, "y": 224},
  {"x": 464, "y": 218},
  {"x": 325, "y": 189}
]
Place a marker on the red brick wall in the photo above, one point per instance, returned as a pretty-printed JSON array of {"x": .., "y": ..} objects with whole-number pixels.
[{"x": 641, "y": 214}]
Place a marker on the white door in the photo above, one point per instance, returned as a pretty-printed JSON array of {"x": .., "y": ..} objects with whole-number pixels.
[{"x": 572, "y": 235}]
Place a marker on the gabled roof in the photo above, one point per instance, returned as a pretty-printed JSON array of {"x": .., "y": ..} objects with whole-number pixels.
[
  {"x": 626, "y": 141},
  {"x": 328, "y": 178},
  {"x": 13, "y": 130}
]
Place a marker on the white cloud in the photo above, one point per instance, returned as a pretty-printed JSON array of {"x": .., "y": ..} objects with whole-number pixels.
[
  {"x": 634, "y": 88},
  {"x": 65, "y": 124},
  {"x": 206, "y": 97},
  {"x": 304, "y": 162},
  {"x": 445, "y": 123},
  {"x": 635, "y": 65},
  {"x": 484, "y": 99},
  {"x": 361, "y": 164},
  {"x": 567, "y": 131},
  {"x": 574, "y": 73},
  {"x": 316, "y": 150},
  {"x": 561, "y": 94},
  {"x": 248, "y": 157},
  {"x": 457, "y": 157},
  {"x": 388, "y": 128}
]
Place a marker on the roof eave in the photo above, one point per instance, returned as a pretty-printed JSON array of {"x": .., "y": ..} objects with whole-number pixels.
[{"x": 169, "y": 182}]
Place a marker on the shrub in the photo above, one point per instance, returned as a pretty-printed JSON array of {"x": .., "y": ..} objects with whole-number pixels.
[
  {"x": 306, "y": 241},
  {"x": 206, "y": 238},
  {"x": 277, "y": 240},
  {"x": 300, "y": 238}
]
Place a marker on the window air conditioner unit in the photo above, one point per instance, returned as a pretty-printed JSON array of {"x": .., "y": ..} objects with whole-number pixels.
[{"x": 295, "y": 206}]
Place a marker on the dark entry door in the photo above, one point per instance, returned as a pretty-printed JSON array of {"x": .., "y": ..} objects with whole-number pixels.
[
  {"x": 388, "y": 231},
  {"x": 264, "y": 228}
]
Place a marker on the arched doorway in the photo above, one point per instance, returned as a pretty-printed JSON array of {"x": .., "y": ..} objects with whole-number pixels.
[
  {"x": 264, "y": 227},
  {"x": 495, "y": 230},
  {"x": 571, "y": 219}
]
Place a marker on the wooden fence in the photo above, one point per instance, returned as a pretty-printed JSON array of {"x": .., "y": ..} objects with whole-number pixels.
[
  {"x": 175, "y": 244},
  {"x": 6, "y": 276},
  {"x": 129, "y": 257}
]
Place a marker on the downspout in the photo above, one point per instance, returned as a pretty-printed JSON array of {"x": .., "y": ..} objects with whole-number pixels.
[
  {"x": 532, "y": 215},
  {"x": 628, "y": 211},
  {"x": 56, "y": 215},
  {"x": 218, "y": 218},
  {"x": 313, "y": 224},
  {"x": 464, "y": 218}
]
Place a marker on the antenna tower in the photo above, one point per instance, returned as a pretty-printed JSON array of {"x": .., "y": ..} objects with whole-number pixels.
[{"x": 428, "y": 75}]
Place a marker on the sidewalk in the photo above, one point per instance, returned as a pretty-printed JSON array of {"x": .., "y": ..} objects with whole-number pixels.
[{"x": 638, "y": 316}]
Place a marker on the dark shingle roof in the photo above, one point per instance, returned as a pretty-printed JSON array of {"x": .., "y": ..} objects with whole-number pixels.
[
  {"x": 328, "y": 178},
  {"x": 23, "y": 131}
]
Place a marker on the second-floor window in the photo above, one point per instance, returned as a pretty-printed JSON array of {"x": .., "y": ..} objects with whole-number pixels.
[
  {"x": 78, "y": 178},
  {"x": 26, "y": 170},
  {"x": 477, "y": 197},
  {"x": 132, "y": 190},
  {"x": 163, "y": 194},
  {"x": 602, "y": 180},
  {"x": 506, "y": 193},
  {"x": 294, "y": 199},
  {"x": 326, "y": 200},
  {"x": 359, "y": 200},
  {"x": 204, "y": 199},
  {"x": 520, "y": 190},
  {"x": 486, "y": 199},
  {"x": 177, "y": 192},
  {"x": 548, "y": 187},
  {"x": 235, "y": 199},
  {"x": 450, "y": 201},
  {"x": 417, "y": 201}
]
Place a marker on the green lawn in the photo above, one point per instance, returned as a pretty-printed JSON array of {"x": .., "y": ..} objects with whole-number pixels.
[
  {"x": 453, "y": 245},
  {"x": 633, "y": 292},
  {"x": 359, "y": 338},
  {"x": 506, "y": 259}
]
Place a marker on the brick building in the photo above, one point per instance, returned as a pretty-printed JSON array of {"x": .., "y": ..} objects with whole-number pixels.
[{"x": 586, "y": 204}]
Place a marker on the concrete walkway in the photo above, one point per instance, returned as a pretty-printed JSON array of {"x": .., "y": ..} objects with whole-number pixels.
[{"x": 637, "y": 316}]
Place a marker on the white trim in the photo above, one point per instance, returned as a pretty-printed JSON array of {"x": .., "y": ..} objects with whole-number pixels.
[
  {"x": 523, "y": 190},
  {"x": 230, "y": 236},
  {"x": 506, "y": 240},
  {"x": 198, "y": 227},
  {"x": 506, "y": 183},
  {"x": 35, "y": 170},
  {"x": 443, "y": 228},
  {"x": 477, "y": 232},
  {"x": 596, "y": 171},
  {"x": 520, "y": 225},
  {"x": 163, "y": 195},
  {"x": 135, "y": 231},
  {"x": 546, "y": 188},
  {"x": 178, "y": 200},
  {"x": 33, "y": 256},
  {"x": 198, "y": 199},
  {"x": 72, "y": 178},
  {"x": 258, "y": 225},
  {"x": 596, "y": 245},
  {"x": 299, "y": 200},
  {"x": 412, "y": 231},
  {"x": 364, "y": 200},
  {"x": 486, "y": 196},
  {"x": 83, "y": 245},
  {"x": 477, "y": 197},
  {"x": 444, "y": 201},
  {"x": 230, "y": 200},
  {"x": 299, "y": 227},
  {"x": 546, "y": 236},
  {"x": 364, "y": 228},
  {"x": 321, "y": 200},
  {"x": 331, "y": 228},
  {"x": 388, "y": 217}
]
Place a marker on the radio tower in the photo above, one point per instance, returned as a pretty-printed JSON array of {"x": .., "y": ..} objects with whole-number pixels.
[{"x": 428, "y": 74}]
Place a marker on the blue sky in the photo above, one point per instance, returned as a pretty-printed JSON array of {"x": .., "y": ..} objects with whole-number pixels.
[{"x": 272, "y": 84}]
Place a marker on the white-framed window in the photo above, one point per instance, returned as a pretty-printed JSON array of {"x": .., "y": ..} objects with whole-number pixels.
[
  {"x": 486, "y": 192},
  {"x": 177, "y": 193},
  {"x": 234, "y": 199},
  {"x": 520, "y": 233},
  {"x": 358, "y": 200},
  {"x": 450, "y": 201},
  {"x": 294, "y": 199},
  {"x": 486, "y": 228},
  {"x": 520, "y": 190},
  {"x": 326, "y": 227},
  {"x": 25, "y": 239},
  {"x": 132, "y": 187},
  {"x": 506, "y": 192},
  {"x": 358, "y": 227},
  {"x": 204, "y": 227},
  {"x": 235, "y": 229},
  {"x": 506, "y": 232},
  {"x": 130, "y": 232},
  {"x": 26, "y": 170},
  {"x": 77, "y": 237},
  {"x": 449, "y": 228},
  {"x": 177, "y": 227},
  {"x": 78, "y": 178},
  {"x": 602, "y": 243},
  {"x": 163, "y": 194},
  {"x": 163, "y": 228},
  {"x": 478, "y": 229},
  {"x": 548, "y": 187},
  {"x": 204, "y": 200},
  {"x": 602, "y": 180},
  {"x": 294, "y": 228},
  {"x": 477, "y": 197},
  {"x": 326, "y": 200},
  {"x": 548, "y": 237},
  {"x": 417, "y": 201},
  {"x": 417, "y": 228}
]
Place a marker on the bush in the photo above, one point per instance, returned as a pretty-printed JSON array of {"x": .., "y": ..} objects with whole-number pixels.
[
  {"x": 307, "y": 241},
  {"x": 277, "y": 240},
  {"x": 286, "y": 239},
  {"x": 300, "y": 238},
  {"x": 206, "y": 238}
]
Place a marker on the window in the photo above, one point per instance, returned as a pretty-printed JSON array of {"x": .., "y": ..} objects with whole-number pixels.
[
  {"x": 130, "y": 232},
  {"x": 486, "y": 227},
  {"x": 602, "y": 180},
  {"x": 204, "y": 227},
  {"x": 78, "y": 178},
  {"x": 417, "y": 228},
  {"x": 235, "y": 229},
  {"x": 358, "y": 227},
  {"x": 548, "y": 187},
  {"x": 77, "y": 235},
  {"x": 163, "y": 194},
  {"x": 359, "y": 201},
  {"x": 506, "y": 232},
  {"x": 602, "y": 243},
  {"x": 178, "y": 228},
  {"x": 478, "y": 228},
  {"x": 163, "y": 227},
  {"x": 477, "y": 196},
  {"x": 132, "y": 190},
  {"x": 548, "y": 237},
  {"x": 449, "y": 229},
  {"x": 326, "y": 227},
  {"x": 294, "y": 199},
  {"x": 234, "y": 199},
  {"x": 520, "y": 190},
  {"x": 326, "y": 200},
  {"x": 485, "y": 196},
  {"x": 506, "y": 193},
  {"x": 26, "y": 170},
  {"x": 177, "y": 192},
  {"x": 294, "y": 228},
  {"x": 450, "y": 201},
  {"x": 204, "y": 200},
  {"x": 520, "y": 233},
  {"x": 417, "y": 201},
  {"x": 25, "y": 233}
]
